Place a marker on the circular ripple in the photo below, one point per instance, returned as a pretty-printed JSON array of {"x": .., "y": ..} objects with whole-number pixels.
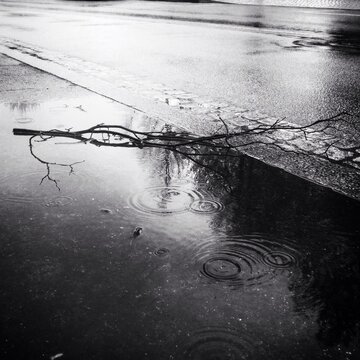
[
  {"x": 235, "y": 264},
  {"x": 278, "y": 259},
  {"x": 239, "y": 261},
  {"x": 215, "y": 343},
  {"x": 24, "y": 120},
  {"x": 221, "y": 268},
  {"x": 164, "y": 200},
  {"x": 27, "y": 187},
  {"x": 205, "y": 206},
  {"x": 59, "y": 201},
  {"x": 161, "y": 252},
  {"x": 22, "y": 188}
]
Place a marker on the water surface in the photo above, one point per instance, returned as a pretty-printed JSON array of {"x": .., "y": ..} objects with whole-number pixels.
[{"x": 234, "y": 260}]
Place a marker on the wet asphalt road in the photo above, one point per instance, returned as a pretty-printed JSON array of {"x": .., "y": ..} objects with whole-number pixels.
[
  {"x": 298, "y": 63},
  {"x": 263, "y": 267},
  {"x": 76, "y": 283}
]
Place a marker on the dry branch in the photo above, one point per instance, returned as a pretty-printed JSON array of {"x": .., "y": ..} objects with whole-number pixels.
[{"x": 320, "y": 139}]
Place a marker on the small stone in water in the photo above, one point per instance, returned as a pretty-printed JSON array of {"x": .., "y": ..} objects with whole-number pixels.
[{"x": 138, "y": 231}]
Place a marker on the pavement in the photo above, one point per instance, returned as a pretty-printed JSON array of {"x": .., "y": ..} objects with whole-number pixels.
[{"x": 299, "y": 153}]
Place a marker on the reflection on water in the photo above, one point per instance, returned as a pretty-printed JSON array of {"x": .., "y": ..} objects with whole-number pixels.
[
  {"x": 333, "y": 289},
  {"x": 23, "y": 108},
  {"x": 236, "y": 260}
]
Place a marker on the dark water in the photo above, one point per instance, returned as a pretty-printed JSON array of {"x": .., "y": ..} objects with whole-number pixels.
[{"x": 234, "y": 259}]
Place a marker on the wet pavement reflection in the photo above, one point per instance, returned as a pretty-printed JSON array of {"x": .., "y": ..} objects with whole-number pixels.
[
  {"x": 147, "y": 254},
  {"x": 298, "y": 63}
]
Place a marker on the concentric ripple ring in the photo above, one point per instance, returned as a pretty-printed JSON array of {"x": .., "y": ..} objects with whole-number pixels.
[
  {"x": 216, "y": 343},
  {"x": 164, "y": 199},
  {"x": 161, "y": 252},
  {"x": 206, "y": 206},
  {"x": 24, "y": 120},
  {"x": 243, "y": 260},
  {"x": 59, "y": 201},
  {"x": 221, "y": 268},
  {"x": 279, "y": 259}
]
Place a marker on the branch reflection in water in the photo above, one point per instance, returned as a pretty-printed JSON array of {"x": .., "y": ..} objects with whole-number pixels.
[{"x": 311, "y": 233}]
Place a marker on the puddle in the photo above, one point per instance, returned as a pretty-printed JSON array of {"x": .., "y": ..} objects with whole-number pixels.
[{"x": 236, "y": 260}]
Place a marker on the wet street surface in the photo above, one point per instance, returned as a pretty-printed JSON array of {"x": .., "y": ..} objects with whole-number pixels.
[
  {"x": 190, "y": 64},
  {"x": 151, "y": 252},
  {"x": 146, "y": 254},
  {"x": 298, "y": 63}
]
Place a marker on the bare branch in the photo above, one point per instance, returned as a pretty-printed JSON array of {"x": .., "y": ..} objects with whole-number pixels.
[
  {"x": 319, "y": 139},
  {"x": 47, "y": 163}
]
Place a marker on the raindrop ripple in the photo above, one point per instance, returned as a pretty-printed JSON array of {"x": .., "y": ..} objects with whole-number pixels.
[
  {"x": 59, "y": 201},
  {"x": 216, "y": 343},
  {"x": 206, "y": 206},
  {"x": 161, "y": 252},
  {"x": 24, "y": 120},
  {"x": 173, "y": 199},
  {"x": 243, "y": 261}
]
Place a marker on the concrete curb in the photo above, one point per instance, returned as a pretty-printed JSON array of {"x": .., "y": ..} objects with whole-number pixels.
[{"x": 201, "y": 118}]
